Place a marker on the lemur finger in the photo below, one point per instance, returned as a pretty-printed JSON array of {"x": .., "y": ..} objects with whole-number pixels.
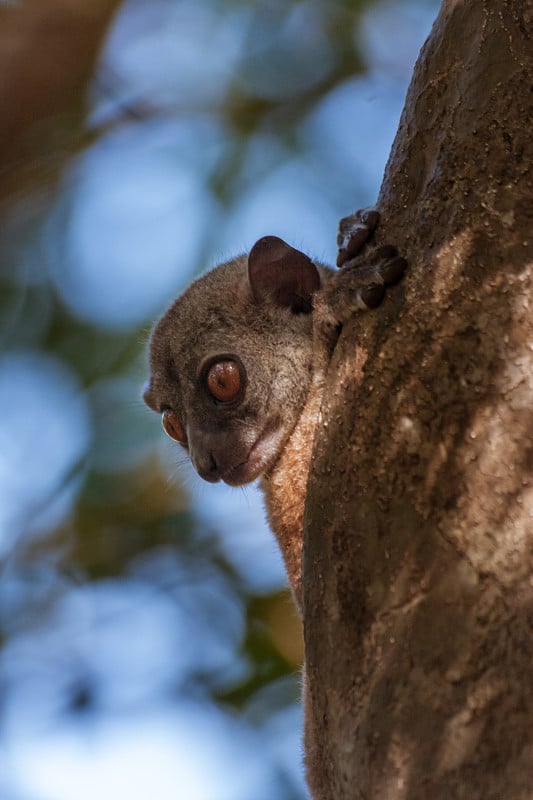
[
  {"x": 372, "y": 295},
  {"x": 354, "y": 231},
  {"x": 382, "y": 253},
  {"x": 391, "y": 271}
]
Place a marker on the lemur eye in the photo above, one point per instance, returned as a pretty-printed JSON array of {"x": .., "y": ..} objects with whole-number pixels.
[
  {"x": 173, "y": 426},
  {"x": 224, "y": 381}
]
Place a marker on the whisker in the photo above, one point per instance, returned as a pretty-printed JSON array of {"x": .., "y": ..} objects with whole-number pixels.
[{"x": 245, "y": 423}]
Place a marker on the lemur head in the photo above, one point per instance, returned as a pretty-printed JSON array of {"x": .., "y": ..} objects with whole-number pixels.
[{"x": 231, "y": 361}]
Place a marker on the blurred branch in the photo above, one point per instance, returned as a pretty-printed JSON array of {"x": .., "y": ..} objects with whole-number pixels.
[{"x": 48, "y": 52}]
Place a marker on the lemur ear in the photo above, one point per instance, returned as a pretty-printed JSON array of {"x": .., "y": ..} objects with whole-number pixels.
[{"x": 280, "y": 274}]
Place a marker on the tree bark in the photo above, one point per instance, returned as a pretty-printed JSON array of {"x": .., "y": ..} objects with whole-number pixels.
[{"x": 418, "y": 547}]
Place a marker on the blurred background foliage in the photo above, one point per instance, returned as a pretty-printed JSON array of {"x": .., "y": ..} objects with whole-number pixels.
[{"x": 148, "y": 643}]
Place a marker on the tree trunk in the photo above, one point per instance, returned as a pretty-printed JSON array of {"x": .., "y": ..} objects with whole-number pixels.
[{"x": 418, "y": 551}]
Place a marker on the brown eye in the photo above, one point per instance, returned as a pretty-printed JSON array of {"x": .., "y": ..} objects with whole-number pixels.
[
  {"x": 173, "y": 427},
  {"x": 224, "y": 381}
]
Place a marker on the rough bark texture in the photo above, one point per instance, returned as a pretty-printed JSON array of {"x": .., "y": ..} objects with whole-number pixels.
[{"x": 418, "y": 552}]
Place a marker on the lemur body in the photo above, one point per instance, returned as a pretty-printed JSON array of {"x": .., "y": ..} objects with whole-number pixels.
[{"x": 238, "y": 362}]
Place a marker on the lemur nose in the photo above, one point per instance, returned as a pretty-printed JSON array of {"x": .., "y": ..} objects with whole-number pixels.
[{"x": 206, "y": 466}]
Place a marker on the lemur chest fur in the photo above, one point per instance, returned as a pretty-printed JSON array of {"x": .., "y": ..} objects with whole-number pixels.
[{"x": 284, "y": 488}]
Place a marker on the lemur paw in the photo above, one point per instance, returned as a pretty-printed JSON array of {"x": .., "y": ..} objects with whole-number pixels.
[
  {"x": 357, "y": 287},
  {"x": 354, "y": 232},
  {"x": 362, "y": 285}
]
